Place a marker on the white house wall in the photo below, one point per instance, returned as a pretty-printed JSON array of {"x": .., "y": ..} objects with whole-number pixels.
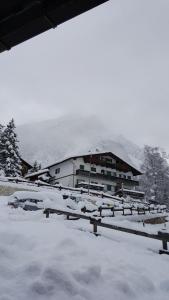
[
  {"x": 68, "y": 177},
  {"x": 65, "y": 176}
]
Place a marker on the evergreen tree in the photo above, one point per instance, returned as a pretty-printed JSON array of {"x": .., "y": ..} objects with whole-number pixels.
[
  {"x": 1, "y": 129},
  {"x": 1, "y": 150},
  {"x": 36, "y": 167},
  {"x": 10, "y": 158},
  {"x": 155, "y": 178}
]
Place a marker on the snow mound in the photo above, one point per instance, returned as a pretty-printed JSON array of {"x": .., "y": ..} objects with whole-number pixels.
[{"x": 49, "y": 259}]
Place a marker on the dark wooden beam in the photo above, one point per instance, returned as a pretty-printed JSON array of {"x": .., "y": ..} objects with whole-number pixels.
[{"x": 21, "y": 20}]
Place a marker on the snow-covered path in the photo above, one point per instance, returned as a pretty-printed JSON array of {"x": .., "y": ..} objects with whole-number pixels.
[{"x": 58, "y": 259}]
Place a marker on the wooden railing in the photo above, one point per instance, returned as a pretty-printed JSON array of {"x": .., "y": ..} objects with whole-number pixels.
[
  {"x": 105, "y": 176},
  {"x": 64, "y": 188},
  {"x": 161, "y": 235},
  {"x": 127, "y": 211}
]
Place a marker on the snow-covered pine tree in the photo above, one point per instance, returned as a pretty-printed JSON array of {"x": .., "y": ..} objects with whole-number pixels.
[
  {"x": 10, "y": 157},
  {"x": 1, "y": 129},
  {"x": 36, "y": 167},
  {"x": 155, "y": 178},
  {"x": 1, "y": 150}
]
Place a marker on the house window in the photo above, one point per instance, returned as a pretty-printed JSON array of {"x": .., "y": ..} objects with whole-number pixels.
[
  {"x": 57, "y": 171},
  {"x": 124, "y": 176},
  {"x": 129, "y": 177},
  {"x": 120, "y": 175},
  {"x": 81, "y": 167},
  {"x": 102, "y": 171},
  {"x": 108, "y": 173},
  {"x": 93, "y": 169},
  {"x": 108, "y": 187}
]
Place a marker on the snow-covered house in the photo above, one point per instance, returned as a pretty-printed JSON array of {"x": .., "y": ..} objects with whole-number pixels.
[
  {"x": 103, "y": 171},
  {"x": 38, "y": 175},
  {"x": 25, "y": 166}
]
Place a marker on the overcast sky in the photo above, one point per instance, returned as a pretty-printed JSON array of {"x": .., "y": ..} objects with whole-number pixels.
[{"x": 112, "y": 61}]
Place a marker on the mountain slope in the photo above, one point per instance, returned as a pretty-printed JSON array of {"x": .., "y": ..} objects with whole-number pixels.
[{"x": 51, "y": 140}]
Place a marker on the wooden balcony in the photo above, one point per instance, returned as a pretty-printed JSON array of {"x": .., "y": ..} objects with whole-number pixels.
[
  {"x": 95, "y": 160},
  {"x": 107, "y": 177}
]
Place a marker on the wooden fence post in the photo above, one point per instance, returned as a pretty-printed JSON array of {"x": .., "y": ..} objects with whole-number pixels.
[
  {"x": 100, "y": 210},
  {"x": 47, "y": 213},
  {"x": 164, "y": 237},
  {"x": 94, "y": 223},
  {"x": 94, "y": 227},
  {"x": 165, "y": 247}
]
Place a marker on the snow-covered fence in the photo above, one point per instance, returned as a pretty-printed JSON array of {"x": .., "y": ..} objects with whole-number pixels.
[
  {"x": 80, "y": 190},
  {"x": 39, "y": 183},
  {"x": 162, "y": 236},
  {"x": 127, "y": 211}
]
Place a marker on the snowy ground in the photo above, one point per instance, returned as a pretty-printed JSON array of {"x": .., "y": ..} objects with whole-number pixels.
[{"x": 59, "y": 259}]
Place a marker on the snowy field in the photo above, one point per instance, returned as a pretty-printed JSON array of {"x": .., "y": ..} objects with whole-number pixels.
[{"x": 59, "y": 259}]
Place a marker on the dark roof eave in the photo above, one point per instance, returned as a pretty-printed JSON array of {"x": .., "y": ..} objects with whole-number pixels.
[
  {"x": 21, "y": 20},
  {"x": 26, "y": 163}
]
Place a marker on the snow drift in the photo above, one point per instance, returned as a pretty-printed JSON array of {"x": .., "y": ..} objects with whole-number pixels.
[{"x": 57, "y": 259}]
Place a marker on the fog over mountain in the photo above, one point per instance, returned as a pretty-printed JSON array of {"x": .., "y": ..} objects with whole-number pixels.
[{"x": 51, "y": 140}]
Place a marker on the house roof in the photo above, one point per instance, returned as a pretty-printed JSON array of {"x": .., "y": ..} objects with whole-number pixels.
[
  {"x": 26, "y": 163},
  {"x": 91, "y": 184},
  {"x": 131, "y": 191},
  {"x": 133, "y": 168},
  {"x": 21, "y": 20},
  {"x": 40, "y": 172}
]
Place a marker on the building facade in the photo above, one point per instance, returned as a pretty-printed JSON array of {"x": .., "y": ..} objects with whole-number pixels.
[{"x": 98, "y": 169}]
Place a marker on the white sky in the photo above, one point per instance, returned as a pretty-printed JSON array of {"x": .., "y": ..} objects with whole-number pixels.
[{"x": 112, "y": 61}]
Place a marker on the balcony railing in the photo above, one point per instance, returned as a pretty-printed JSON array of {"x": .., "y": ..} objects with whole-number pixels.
[
  {"x": 120, "y": 166},
  {"x": 106, "y": 177},
  {"x": 96, "y": 161}
]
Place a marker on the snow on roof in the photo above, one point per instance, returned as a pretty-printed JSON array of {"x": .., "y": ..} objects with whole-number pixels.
[
  {"x": 92, "y": 184},
  {"x": 37, "y": 173},
  {"x": 131, "y": 191},
  {"x": 96, "y": 153},
  {"x": 17, "y": 178}
]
